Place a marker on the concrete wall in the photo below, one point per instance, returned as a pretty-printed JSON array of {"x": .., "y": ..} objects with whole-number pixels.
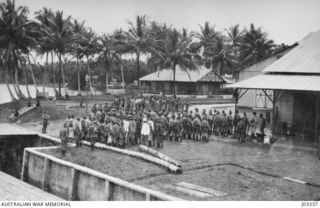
[{"x": 74, "y": 182}]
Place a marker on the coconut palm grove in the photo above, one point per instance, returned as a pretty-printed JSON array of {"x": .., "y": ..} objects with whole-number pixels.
[{"x": 68, "y": 48}]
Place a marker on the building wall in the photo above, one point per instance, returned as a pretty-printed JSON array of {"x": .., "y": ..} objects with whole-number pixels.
[
  {"x": 252, "y": 99},
  {"x": 184, "y": 88}
]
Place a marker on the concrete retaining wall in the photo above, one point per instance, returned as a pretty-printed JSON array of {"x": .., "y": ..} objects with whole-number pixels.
[{"x": 74, "y": 182}]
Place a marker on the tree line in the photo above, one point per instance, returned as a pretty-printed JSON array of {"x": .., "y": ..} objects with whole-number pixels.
[{"x": 56, "y": 36}]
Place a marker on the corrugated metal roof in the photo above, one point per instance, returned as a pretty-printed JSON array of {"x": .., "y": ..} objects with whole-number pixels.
[
  {"x": 305, "y": 58},
  {"x": 277, "y": 54},
  {"x": 280, "y": 82},
  {"x": 181, "y": 76}
]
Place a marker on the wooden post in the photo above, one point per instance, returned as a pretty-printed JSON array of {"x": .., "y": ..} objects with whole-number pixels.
[
  {"x": 316, "y": 125},
  {"x": 108, "y": 190},
  {"x": 147, "y": 196},
  {"x": 273, "y": 126},
  {"x": 72, "y": 190},
  {"x": 46, "y": 174},
  {"x": 25, "y": 162}
]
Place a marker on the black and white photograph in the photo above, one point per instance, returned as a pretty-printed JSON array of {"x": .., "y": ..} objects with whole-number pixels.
[{"x": 159, "y": 100}]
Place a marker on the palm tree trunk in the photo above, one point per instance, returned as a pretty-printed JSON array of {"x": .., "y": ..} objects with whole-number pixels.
[
  {"x": 221, "y": 69},
  {"x": 16, "y": 78},
  {"x": 174, "y": 80},
  {"x": 63, "y": 77},
  {"x": 44, "y": 75},
  {"x": 89, "y": 71},
  {"x": 79, "y": 90},
  {"x": 138, "y": 64},
  {"x": 9, "y": 89},
  {"x": 26, "y": 83},
  {"x": 32, "y": 75},
  {"x": 60, "y": 70},
  {"x": 107, "y": 77},
  {"x": 122, "y": 76},
  {"x": 54, "y": 77}
]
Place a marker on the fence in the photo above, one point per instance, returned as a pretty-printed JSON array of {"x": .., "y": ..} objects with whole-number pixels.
[{"x": 74, "y": 182}]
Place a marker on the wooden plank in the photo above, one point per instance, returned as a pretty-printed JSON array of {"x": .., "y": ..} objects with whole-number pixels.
[
  {"x": 107, "y": 190},
  {"x": 201, "y": 189},
  {"x": 147, "y": 197},
  {"x": 198, "y": 194},
  {"x": 25, "y": 160},
  {"x": 72, "y": 185},
  {"x": 45, "y": 174}
]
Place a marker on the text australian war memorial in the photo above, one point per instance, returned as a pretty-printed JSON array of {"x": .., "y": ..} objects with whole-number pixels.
[{"x": 154, "y": 112}]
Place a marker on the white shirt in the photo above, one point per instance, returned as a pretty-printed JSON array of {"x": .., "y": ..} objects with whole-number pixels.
[
  {"x": 126, "y": 125},
  {"x": 145, "y": 129}
]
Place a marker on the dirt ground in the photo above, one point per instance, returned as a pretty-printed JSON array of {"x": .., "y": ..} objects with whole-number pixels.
[{"x": 246, "y": 171}]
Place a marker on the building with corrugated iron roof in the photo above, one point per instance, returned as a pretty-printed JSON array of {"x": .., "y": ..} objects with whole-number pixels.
[
  {"x": 255, "y": 99},
  {"x": 295, "y": 82},
  {"x": 201, "y": 81}
]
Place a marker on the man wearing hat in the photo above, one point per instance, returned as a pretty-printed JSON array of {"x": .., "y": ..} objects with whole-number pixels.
[
  {"x": 145, "y": 131},
  {"x": 64, "y": 133},
  {"x": 93, "y": 134},
  {"x": 132, "y": 131}
]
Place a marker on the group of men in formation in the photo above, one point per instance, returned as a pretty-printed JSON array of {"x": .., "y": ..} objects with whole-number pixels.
[{"x": 151, "y": 120}]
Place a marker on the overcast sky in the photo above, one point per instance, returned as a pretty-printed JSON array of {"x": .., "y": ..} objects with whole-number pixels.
[{"x": 286, "y": 21}]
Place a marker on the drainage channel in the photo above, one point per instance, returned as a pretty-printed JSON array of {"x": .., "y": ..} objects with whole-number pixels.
[{"x": 234, "y": 165}]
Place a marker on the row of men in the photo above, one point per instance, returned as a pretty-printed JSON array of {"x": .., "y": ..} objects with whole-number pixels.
[{"x": 153, "y": 128}]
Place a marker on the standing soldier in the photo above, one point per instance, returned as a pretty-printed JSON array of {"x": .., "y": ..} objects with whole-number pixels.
[
  {"x": 171, "y": 127},
  {"x": 178, "y": 129},
  {"x": 158, "y": 133},
  {"x": 204, "y": 130},
  {"x": 196, "y": 128},
  {"x": 145, "y": 131},
  {"x": 104, "y": 132},
  {"x": 236, "y": 120},
  {"x": 93, "y": 134},
  {"x": 122, "y": 135},
  {"x": 84, "y": 128},
  {"x": 185, "y": 126},
  {"x": 45, "y": 118},
  {"x": 230, "y": 123},
  {"x": 77, "y": 133},
  {"x": 132, "y": 131},
  {"x": 224, "y": 124},
  {"x": 210, "y": 122},
  {"x": 151, "y": 141},
  {"x": 64, "y": 139},
  {"x": 164, "y": 122}
]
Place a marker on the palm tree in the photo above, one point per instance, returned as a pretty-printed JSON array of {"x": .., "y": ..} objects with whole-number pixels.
[
  {"x": 255, "y": 45},
  {"x": 90, "y": 48},
  {"x": 221, "y": 55},
  {"x": 138, "y": 40},
  {"x": 174, "y": 51},
  {"x": 79, "y": 31},
  {"x": 108, "y": 53},
  {"x": 17, "y": 36},
  {"x": 44, "y": 18},
  {"x": 62, "y": 40},
  {"x": 235, "y": 36},
  {"x": 206, "y": 41}
]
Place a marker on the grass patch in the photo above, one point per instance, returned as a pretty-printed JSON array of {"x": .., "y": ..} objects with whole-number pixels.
[{"x": 108, "y": 162}]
